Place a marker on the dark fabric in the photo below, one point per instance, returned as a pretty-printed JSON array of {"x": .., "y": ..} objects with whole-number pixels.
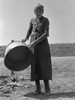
[
  {"x": 41, "y": 67},
  {"x": 38, "y": 27}
]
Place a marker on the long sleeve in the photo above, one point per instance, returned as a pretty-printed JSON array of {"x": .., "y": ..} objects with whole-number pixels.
[
  {"x": 46, "y": 27},
  {"x": 29, "y": 30}
]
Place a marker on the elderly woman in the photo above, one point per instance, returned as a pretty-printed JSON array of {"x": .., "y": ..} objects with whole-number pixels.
[{"x": 41, "y": 68}]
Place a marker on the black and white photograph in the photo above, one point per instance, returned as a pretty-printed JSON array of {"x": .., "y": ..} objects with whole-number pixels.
[{"x": 37, "y": 49}]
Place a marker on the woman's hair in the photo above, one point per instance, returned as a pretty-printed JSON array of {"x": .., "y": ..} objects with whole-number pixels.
[{"x": 39, "y": 6}]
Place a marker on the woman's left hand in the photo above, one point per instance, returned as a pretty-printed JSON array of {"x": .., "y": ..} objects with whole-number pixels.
[{"x": 31, "y": 46}]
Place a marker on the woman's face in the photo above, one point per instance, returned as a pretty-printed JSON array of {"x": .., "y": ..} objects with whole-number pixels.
[{"x": 38, "y": 13}]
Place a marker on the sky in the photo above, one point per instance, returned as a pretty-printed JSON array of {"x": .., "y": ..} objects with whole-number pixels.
[{"x": 15, "y": 16}]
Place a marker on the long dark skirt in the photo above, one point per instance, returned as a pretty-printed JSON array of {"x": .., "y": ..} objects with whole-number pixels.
[{"x": 41, "y": 67}]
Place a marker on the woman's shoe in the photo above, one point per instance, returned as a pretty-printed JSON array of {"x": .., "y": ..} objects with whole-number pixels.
[
  {"x": 36, "y": 92},
  {"x": 48, "y": 93}
]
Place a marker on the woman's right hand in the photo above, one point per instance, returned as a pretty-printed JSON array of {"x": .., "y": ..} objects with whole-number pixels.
[{"x": 24, "y": 40}]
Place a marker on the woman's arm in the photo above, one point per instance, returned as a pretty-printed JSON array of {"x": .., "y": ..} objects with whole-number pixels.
[
  {"x": 28, "y": 32},
  {"x": 41, "y": 38}
]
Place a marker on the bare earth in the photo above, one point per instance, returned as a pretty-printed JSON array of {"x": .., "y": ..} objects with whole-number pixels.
[{"x": 62, "y": 85}]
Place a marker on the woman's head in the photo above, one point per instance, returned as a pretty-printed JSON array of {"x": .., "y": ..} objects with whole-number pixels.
[
  {"x": 39, "y": 7},
  {"x": 39, "y": 10}
]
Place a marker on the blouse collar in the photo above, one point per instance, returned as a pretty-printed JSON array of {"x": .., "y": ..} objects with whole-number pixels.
[{"x": 40, "y": 18}]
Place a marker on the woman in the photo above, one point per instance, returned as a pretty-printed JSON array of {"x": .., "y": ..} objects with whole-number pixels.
[{"x": 41, "y": 68}]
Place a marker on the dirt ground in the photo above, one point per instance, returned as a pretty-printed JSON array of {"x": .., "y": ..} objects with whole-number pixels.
[{"x": 62, "y": 84}]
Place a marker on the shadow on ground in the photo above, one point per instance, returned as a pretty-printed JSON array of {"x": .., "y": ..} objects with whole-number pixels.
[{"x": 52, "y": 96}]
